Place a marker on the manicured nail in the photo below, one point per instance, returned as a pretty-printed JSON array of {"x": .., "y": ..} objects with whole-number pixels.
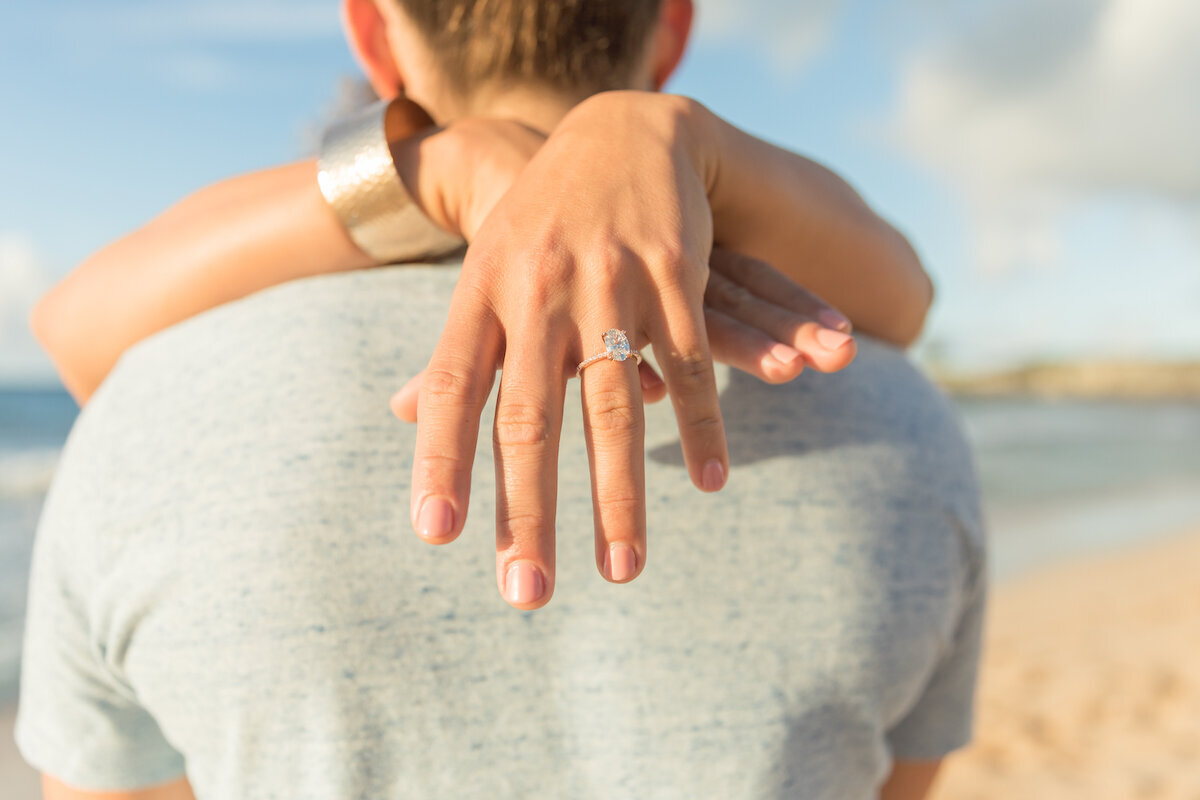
[
  {"x": 833, "y": 320},
  {"x": 620, "y": 562},
  {"x": 436, "y": 518},
  {"x": 523, "y": 583},
  {"x": 830, "y": 339},
  {"x": 713, "y": 477},
  {"x": 784, "y": 354}
]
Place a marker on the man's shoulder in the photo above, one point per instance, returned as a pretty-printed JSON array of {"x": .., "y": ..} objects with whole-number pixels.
[{"x": 323, "y": 307}]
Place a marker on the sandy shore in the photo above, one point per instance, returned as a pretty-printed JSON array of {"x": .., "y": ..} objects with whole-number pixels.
[
  {"x": 1090, "y": 689},
  {"x": 1091, "y": 683}
]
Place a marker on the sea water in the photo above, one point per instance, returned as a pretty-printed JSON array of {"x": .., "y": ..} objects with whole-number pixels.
[{"x": 1060, "y": 479}]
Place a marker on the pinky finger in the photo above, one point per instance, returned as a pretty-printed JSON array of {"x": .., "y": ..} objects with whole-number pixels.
[{"x": 653, "y": 387}]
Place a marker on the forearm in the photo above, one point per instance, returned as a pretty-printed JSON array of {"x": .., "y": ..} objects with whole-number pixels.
[
  {"x": 800, "y": 217},
  {"x": 222, "y": 243}
]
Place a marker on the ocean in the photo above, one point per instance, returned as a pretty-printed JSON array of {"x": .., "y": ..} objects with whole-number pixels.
[{"x": 1060, "y": 479}]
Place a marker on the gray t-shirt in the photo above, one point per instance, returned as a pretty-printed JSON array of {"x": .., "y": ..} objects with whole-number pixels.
[{"x": 226, "y": 582}]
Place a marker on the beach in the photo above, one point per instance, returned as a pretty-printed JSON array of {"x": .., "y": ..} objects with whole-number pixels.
[
  {"x": 1091, "y": 682},
  {"x": 1090, "y": 686}
]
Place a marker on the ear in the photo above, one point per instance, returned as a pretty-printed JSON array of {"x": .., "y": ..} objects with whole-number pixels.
[
  {"x": 366, "y": 31},
  {"x": 670, "y": 39}
]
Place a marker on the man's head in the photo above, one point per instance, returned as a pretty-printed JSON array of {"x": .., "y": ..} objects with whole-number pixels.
[{"x": 458, "y": 56}]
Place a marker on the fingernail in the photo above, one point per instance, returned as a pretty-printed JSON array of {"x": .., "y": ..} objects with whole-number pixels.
[
  {"x": 713, "y": 477},
  {"x": 523, "y": 583},
  {"x": 620, "y": 562},
  {"x": 783, "y": 353},
  {"x": 830, "y": 339},
  {"x": 833, "y": 320},
  {"x": 436, "y": 518}
]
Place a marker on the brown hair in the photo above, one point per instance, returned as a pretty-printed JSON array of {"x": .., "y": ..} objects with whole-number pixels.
[{"x": 582, "y": 46}]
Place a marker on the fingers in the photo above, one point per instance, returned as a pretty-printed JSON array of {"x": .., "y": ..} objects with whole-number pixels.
[
  {"x": 801, "y": 327},
  {"x": 764, "y": 281},
  {"x": 681, "y": 346},
  {"x": 528, "y": 422},
  {"x": 615, "y": 429},
  {"x": 453, "y": 392},
  {"x": 747, "y": 348}
]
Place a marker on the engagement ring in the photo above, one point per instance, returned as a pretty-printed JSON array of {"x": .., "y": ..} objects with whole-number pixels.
[{"x": 616, "y": 348}]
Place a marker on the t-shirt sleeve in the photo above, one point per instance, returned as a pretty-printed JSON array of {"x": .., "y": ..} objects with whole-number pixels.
[
  {"x": 77, "y": 721},
  {"x": 942, "y": 718}
]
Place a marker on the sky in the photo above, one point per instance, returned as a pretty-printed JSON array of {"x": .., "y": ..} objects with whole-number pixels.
[{"x": 1041, "y": 156}]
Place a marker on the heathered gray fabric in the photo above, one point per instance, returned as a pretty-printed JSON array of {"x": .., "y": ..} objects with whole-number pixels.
[{"x": 226, "y": 580}]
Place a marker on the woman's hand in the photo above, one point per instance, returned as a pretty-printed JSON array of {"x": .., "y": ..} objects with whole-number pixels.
[
  {"x": 758, "y": 320},
  {"x": 607, "y": 227}
]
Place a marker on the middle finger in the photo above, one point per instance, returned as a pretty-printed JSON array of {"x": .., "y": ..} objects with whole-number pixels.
[{"x": 525, "y": 443}]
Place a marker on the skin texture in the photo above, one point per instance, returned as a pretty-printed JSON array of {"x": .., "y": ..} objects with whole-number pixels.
[
  {"x": 176, "y": 790},
  {"x": 910, "y": 780},
  {"x": 587, "y": 272}
]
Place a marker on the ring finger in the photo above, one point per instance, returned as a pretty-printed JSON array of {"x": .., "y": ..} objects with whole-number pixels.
[{"x": 615, "y": 428}]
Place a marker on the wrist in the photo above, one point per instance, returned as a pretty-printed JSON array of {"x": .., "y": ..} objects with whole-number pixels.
[
  {"x": 358, "y": 177},
  {"x": 686, "y": 125}
]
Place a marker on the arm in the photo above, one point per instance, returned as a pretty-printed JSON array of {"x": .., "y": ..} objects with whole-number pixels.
[
  {"x": 810, "y": 224},
  {"x": 255, "y": 231},
  {"x": 218, "y": 245}
]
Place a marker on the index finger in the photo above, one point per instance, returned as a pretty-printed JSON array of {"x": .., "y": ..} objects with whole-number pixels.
[{"x": 454, "y": 390}]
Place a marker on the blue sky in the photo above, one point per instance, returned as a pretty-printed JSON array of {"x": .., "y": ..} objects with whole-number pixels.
[{"x": 1041, "y": 156}]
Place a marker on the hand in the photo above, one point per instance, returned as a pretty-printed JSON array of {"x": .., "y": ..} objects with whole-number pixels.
[
  {"x": 607, "y": 227},
  {"x": 457, "y": 174},
  {"x": 758, "y": 320}
]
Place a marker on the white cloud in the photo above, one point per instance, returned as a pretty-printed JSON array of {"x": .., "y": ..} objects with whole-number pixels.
[
  {"x": 23, "y": 279},
  {"x": 1039, "y": 106},
  {"x": 793, "y": 32}
]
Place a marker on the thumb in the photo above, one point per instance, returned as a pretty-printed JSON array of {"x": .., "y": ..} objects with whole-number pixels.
[{"x": 404, "y": 402}]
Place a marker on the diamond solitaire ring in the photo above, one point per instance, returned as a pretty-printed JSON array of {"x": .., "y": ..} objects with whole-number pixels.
[{"x": 616, "y": 348}]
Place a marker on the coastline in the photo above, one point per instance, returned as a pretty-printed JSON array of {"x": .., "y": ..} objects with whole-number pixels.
[{"x": 1089, "y": 687}]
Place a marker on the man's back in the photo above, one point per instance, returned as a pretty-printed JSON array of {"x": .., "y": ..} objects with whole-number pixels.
[{"x": 226, "y": 573}]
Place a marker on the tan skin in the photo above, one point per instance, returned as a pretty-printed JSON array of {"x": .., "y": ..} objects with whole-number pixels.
[{"x": 859, "y": 240}]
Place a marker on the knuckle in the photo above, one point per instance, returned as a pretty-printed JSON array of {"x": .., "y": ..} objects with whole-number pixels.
[
  {"x": 703, "y": 424},
  {"x": 694, "y": 373},
  {"x": 520, "y": 425},
  {"x": 441, "y": 383},
  {"x": 521, "y": 520},
  {"x": 440, "y": 471},
  {"x": 667, "y": 255},
  {"x": 612, "y": 412},
  {"x": 621, "y": 506},
  {"x": 609, "y": 264}
]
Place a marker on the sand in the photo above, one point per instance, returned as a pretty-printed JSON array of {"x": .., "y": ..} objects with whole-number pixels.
[
  {"x": 1091, "y": 683},
  {"x": 1090, "y": 686}
]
